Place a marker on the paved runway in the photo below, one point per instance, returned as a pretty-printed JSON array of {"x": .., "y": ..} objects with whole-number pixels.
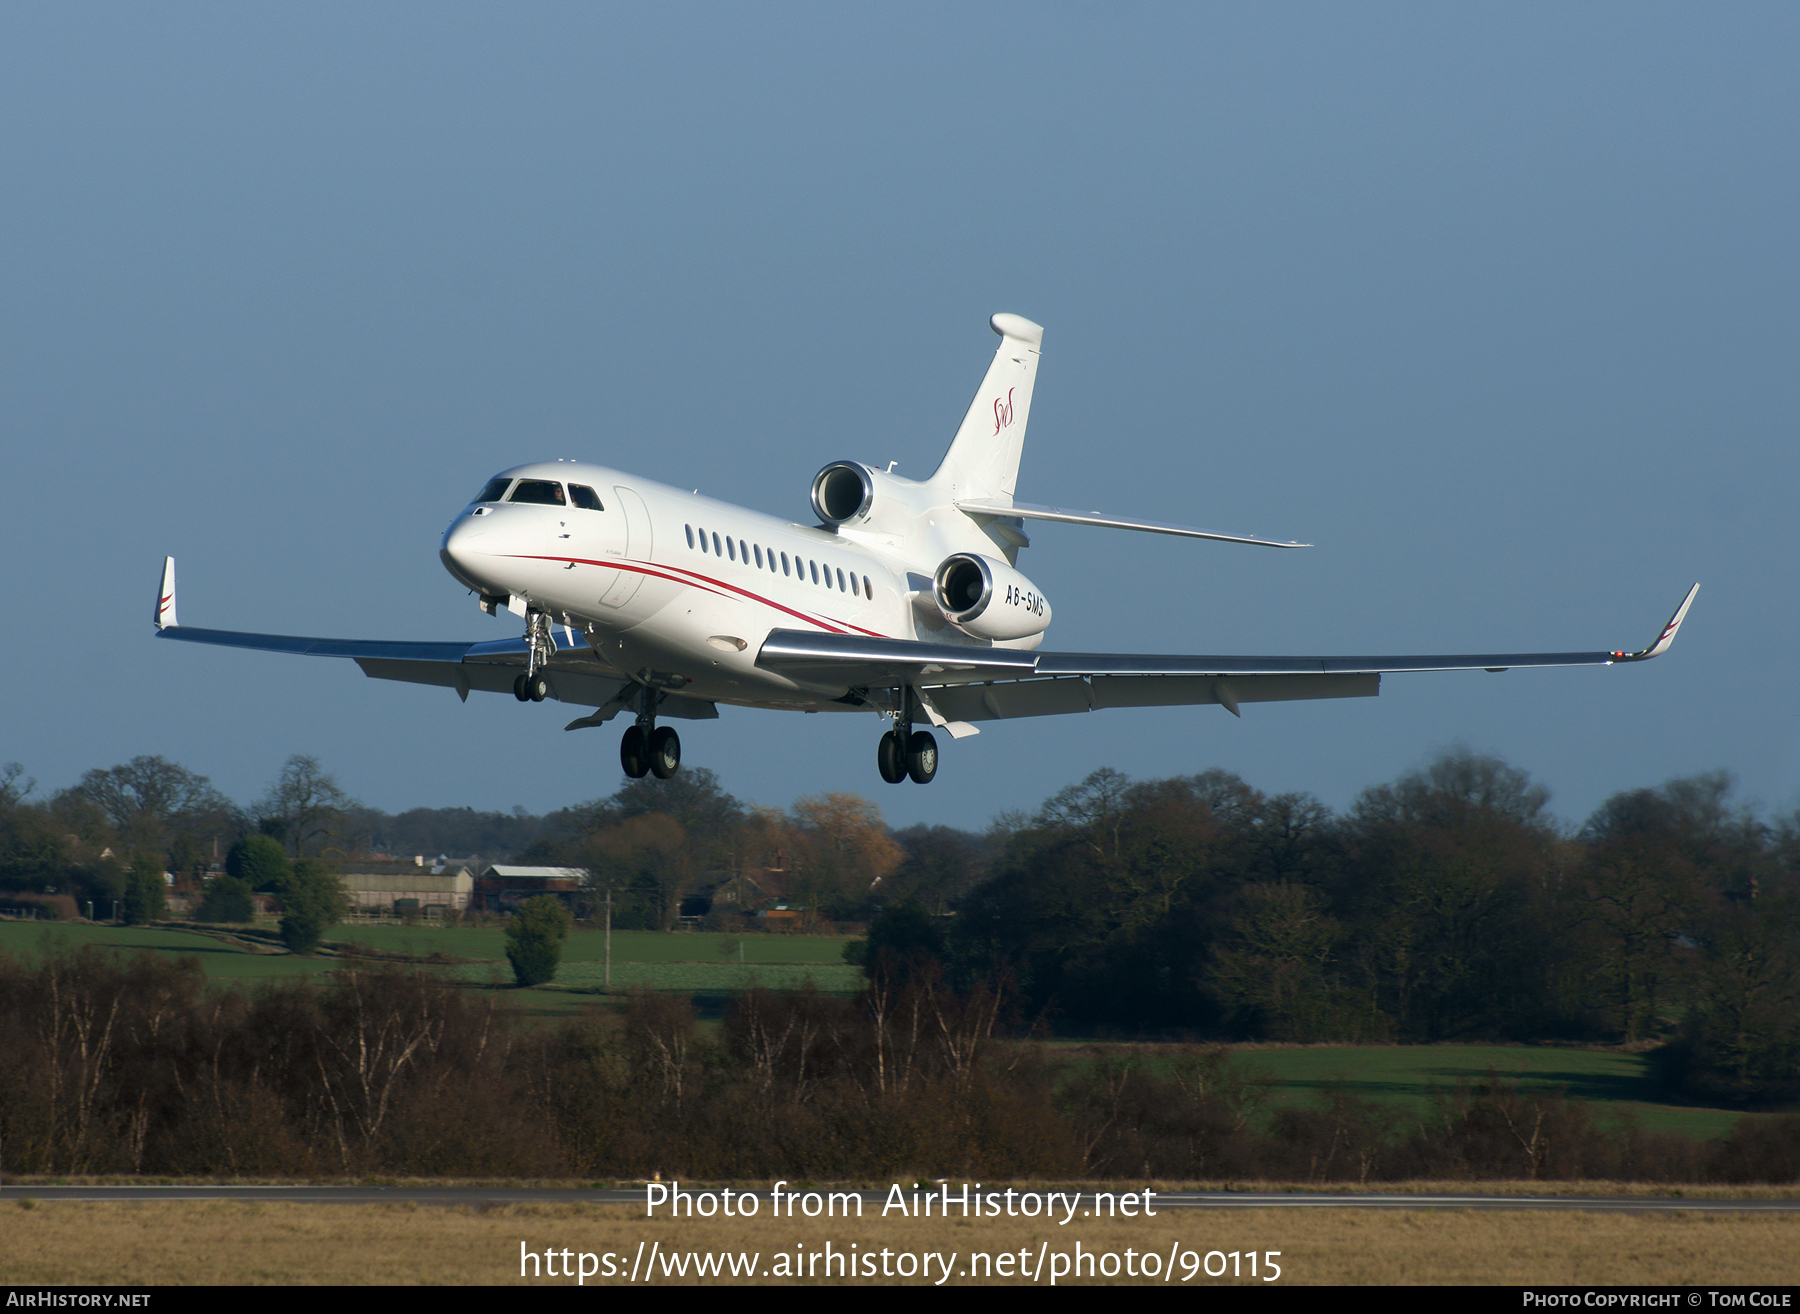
[{"x": 872, "y": 1201}]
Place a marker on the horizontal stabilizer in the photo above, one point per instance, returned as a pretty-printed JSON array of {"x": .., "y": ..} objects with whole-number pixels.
[{"x": 1063, "y": 515}]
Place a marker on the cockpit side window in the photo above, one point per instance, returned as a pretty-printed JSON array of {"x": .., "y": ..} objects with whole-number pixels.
[
  {"x": 494, "y": 490},
  {"x": 542, "y": 492},
  {"x": 585, "y": 498}
]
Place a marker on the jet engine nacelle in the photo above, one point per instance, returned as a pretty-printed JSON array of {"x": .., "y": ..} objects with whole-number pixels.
[
  {"x": 844, "y": 493},
  {"x": 853, "y": 495},
  {"x": 988, "y": 598}
]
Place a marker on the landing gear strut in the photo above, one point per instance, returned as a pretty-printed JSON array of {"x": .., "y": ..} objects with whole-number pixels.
[
  {"x": 647, "y": 748},
  {"x": 905, "y": 752},
  {"x": 531, "y": 686}
]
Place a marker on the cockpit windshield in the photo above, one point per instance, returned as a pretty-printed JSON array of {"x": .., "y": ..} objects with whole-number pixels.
[
  {"x": 494, "y": 490},
  {"x": 543, "y": 492}
]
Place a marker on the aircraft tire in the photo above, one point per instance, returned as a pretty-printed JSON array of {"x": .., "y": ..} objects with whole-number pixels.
[
  {"x": 519, "y": 688},
  {"x": 634, "y": 753},
  {"x": 921, "y": 757},
  {"x": 537, "y": 688},
  {"x": 665, "y": 752},
  {"x": 890, "y": 758}
]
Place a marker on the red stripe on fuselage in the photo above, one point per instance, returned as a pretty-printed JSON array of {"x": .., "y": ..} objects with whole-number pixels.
[
  {"x": 770, "y": 602},
  {"x": 711, "y": 585}
]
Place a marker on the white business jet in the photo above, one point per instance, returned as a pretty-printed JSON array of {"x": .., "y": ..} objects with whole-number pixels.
[{"x": 905, "y": 600}]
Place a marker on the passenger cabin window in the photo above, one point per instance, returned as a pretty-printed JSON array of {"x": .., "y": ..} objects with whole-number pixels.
[
  {"x": 731, "y": 549},
  {"x": 585, "y": 498},
  {"x": 541, "y": 492},
  {"x": 814, "y": 567},
  {"x": 690, "y": 534},
  {"x": 494, "y": 490},
  {"x": 868, "y": 589},
  {"x": 784, "y": 563},
  {"x": 757, "y": 548},
  {"x": 717, "y": 550},
  {"x": 840, "y": 574}
]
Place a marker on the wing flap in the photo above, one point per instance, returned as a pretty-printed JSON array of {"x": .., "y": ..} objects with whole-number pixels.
[
  {"x": 1190, "y": 691},
  {"x": 1061, "y": 696},
  {"x": 851, "y": 660},
  {"x": 585, "y": 688}
]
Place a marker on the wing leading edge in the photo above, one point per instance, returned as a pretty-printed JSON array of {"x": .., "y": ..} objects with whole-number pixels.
[
  {"x": 575, "y": 675},
  {"x": 979, "y": 684}
]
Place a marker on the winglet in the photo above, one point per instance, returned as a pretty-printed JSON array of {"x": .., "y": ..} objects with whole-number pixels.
[
  {"x": 165, "y": 597},
  {"x": 1667, "y": 636}
]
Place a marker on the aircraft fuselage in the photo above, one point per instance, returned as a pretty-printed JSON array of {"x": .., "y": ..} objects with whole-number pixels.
[{"x": 680, "y": 590}]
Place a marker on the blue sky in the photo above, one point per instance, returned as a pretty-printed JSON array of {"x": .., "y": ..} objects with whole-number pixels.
[{"x": 1494, "y": 304}]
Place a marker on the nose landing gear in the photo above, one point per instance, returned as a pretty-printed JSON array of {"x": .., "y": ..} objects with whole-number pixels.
[
  {"x": 530, "y": 686},
  {"x": 647, "y": 748}
]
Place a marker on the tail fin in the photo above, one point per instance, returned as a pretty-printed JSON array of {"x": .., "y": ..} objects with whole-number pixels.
[
  {"x": 165, "y": 597},
  {"x": 983, "y": 460}
]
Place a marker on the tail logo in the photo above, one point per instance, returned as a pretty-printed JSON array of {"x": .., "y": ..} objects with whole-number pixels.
[{"x": 1003, "y": 413}]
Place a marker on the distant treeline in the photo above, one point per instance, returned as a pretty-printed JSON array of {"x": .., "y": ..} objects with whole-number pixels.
[
  {"x": 1446, "y": 905},
  {"x": 653, "y": 844},
  {"x": 136, "y": 1067},
  {"x": 84, "y": 838}
]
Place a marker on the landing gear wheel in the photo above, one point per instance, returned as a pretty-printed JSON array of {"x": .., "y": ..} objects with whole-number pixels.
[
  {"x": 890, "y": 758},
  {"x": 519, "y": 690},
  {"x": 634, "y": 753},
  {"x": 537, "y": 688},
  {"x": 921, "y": 757},
  {"x": 665, "y": 752}
]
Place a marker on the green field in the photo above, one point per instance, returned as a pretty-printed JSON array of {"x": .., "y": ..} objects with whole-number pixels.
[
  {"x": 713, "y": 978},
  {"x": 218, "y": 959},
  {"x": 1619, "y": 1085},
  {"x": 649, "y": 960},
  {"x": 488, "y": 944}
]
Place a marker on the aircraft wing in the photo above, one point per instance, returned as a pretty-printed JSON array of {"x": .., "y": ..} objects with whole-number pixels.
[
  {"x": 982, "y": 684},
  {"x": 575, "y": 673}
]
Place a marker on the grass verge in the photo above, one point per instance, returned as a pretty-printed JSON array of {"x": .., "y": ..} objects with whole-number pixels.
[{"x": 297, "y": 1244}]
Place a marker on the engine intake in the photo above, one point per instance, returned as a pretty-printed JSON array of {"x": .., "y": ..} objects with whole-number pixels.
[
  {"x": 988, "y": 598},
  {"x": 843, "y": 492}
]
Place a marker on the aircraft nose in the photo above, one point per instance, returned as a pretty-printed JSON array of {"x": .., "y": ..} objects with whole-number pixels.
[{"x": 461, "y": 552}]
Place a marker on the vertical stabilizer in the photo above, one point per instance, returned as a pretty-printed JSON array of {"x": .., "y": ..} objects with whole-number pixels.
[{"x": 983, "y": 460}]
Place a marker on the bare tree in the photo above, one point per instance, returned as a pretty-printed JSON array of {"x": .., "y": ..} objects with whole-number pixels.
[
  {"x": 304, "y": 807},
  {"x": 14, "y": 786}
]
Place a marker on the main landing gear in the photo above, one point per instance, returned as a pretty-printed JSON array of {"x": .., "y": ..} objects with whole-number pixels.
[
  {"x": 905, "y": 752},
  {"x": 649, "y": 748}
]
